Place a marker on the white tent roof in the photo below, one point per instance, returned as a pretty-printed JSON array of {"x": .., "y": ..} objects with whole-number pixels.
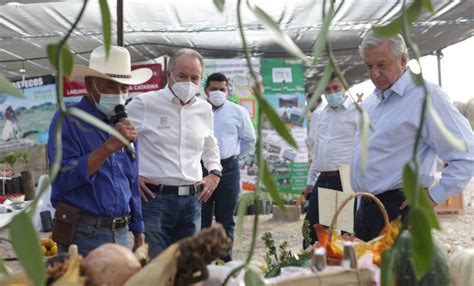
[{"x": 156, "y": 27}]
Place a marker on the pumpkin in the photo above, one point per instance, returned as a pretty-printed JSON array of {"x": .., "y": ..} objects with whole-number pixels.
[{"x": 438, "y": 274}]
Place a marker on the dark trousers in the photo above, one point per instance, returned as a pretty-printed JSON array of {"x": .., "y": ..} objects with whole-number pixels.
[
  {"x": 223, "y": 201},
  {"x": 312, "y": 214},
  {"x": 369, "y": 220}
]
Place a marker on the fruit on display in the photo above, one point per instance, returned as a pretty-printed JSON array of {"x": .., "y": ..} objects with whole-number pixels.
[
  {"x": 48, "y": 247},
  {"x": 438, "y": 274},
  {"x": 110, "y": 264}
]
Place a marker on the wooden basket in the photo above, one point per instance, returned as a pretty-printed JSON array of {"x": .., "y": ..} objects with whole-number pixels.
[{"x": 347, "y": 200}]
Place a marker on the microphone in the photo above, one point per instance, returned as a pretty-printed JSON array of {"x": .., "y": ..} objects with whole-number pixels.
[{"x": 121, "y": 115}]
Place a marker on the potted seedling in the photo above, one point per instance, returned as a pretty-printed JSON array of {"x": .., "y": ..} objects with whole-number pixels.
[{"x": 18, "y": 187}]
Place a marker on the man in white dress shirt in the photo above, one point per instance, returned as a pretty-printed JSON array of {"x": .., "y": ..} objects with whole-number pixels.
[
  {"x": 394, "y": 110},
  {"x": 176, "y": 132},
  {"x": 235, "y": 135},
  {"x": 335, "y": 130}
]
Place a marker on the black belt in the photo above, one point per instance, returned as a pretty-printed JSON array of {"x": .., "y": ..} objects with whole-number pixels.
[
  {"x": 230, "y": 159},
  {"x": 186, "y": 190},
  {"x": 328, "y": 174},
  {"x": 387, "y": 195},
  {"x": 106, "y": 222}
]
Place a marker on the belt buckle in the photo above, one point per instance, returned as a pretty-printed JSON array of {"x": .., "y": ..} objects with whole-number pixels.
[
  {"x": 183, "y": 190},
  {"x": 116, "y": 221}
]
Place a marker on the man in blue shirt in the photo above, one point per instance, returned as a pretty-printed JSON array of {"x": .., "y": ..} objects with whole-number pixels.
[
  {"x": 394, "y": 110},
  {"x": 96, "y": 191},
  {"x": 235, "y": 136}
]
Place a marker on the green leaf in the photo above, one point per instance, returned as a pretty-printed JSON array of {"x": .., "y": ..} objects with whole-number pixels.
[
  {"x": 323, "y": 35},
  {"x": 7, "y": 87},
  {"x": 26, "y": 246},
  {"x": 456, "y": 143},
  {"x": 409, "y": 179},
  {"x": 276, "y": 122},
  {"x": 252, "y": 278},
  {"x": 421, "y": 242},
  {"x": 428, "y": 6},
  {"x": 271, "y": 187},
  {"x": 219, "y": 5},
  {"x": 396, "y": 26},
  {"x": 106, "y": 25},
  {"x": 3, "y": 268},
  {"x": 364, "y": 139},
  {"x": 66, "y": 58},
  {"x": 424, "y": 204},
  {"x": 388, "y": 260},
  {"x": 96, "y": 122},
  {"x": 280, "y": 37},
  {"x": 244, "y": 201}
]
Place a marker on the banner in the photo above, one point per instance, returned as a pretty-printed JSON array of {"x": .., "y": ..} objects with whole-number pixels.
[
  {"x": 284, "y": 90},
  {"x": 25, "y": 121},
  {"x": 74, "y": 90}
]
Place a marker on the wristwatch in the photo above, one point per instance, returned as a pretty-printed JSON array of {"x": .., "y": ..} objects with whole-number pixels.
[{"x": 216, "y": 172}]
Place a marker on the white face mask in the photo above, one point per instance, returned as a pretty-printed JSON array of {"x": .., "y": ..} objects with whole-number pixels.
[
  {"x": 108, "y": 101},
  {"x": 335, "y": 99},
  {"x": 216, "y": 98},
  {"x": 184, "y": 91}
]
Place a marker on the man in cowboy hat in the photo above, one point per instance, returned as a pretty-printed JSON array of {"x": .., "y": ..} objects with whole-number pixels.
[{"x": 96, "y": 191}]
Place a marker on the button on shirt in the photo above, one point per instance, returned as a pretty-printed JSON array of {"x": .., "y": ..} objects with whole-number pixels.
[
  {"x": 395, "y": 118},
  {"x": 335, "y": 130},
  {"x": 233, "y": 129},
  {"x": 112, "y": 191},
  {"x": 174, "y": 138}
]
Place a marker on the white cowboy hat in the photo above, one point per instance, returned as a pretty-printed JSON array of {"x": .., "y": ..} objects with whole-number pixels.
[{"x": 115, "y": 67}]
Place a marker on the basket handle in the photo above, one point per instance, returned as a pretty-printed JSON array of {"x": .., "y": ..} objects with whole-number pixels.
[{"x": 347, "y": 200}]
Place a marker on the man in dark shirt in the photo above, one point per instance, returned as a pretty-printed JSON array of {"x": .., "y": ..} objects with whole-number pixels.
[{"x": 97, "y": 178}]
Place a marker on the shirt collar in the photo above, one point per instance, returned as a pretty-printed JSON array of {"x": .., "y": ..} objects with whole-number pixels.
[{"x": 398, "y": 87}]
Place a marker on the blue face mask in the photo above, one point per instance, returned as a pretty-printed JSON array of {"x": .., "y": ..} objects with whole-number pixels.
[
  {"x": 335, "y": 99},
  {"x": 107, "y": 102}
]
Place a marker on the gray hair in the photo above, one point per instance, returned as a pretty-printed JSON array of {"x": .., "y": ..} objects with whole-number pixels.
[
  {"x": 396, "y": 44},
  {"x": 185, "y": 52}
]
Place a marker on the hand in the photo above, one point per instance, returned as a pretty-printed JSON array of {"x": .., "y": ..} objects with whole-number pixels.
[
  {"x": 127, "y": 129},
  {"x": 209, "y": 184},
  {"x": 138, "y": 240},
  {"x": 307, "y": 191},
  {"x": 405, "y": 202},
  {"x": 145, "y": 192}
]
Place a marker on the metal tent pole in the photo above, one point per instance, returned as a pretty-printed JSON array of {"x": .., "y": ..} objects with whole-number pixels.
[
  {"x": 439, "y": 56},
  {"x": 120, "y": 23}
]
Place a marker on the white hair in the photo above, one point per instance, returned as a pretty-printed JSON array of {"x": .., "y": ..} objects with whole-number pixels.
[
  {"x": 396, "y": 44},
  {"x": 185, "y": 52}
]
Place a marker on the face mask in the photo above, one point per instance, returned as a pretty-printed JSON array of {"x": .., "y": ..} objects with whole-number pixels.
[
  {"x": 335, "y": 99},
  {"x": 108, "y": 101},
  {"x": 184, "y": 91},
  {"x": 217, "y": 98}
]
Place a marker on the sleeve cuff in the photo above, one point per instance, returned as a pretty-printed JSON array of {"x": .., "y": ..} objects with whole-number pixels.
[
  {"x": 437, "y": 195},
  {"x": 214, "y": 166},
  {"x": 137, "y": 227}
]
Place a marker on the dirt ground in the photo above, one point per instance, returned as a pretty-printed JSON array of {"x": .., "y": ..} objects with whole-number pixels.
[{"x": 457, "y": 231}]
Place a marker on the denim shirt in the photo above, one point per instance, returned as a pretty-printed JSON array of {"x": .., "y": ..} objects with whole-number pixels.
[{"x": 112, "y": 191}]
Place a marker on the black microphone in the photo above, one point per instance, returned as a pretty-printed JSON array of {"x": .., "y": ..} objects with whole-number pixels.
[{"x": 121, "y": 115}]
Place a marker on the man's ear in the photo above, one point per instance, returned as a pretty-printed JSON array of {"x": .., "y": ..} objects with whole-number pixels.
[
  {"x": 404, "y": 60},
  {"x": 206, "y": 91}
]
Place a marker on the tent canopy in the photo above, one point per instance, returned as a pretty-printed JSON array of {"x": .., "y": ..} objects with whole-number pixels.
[{"x": 155, "y": 28}]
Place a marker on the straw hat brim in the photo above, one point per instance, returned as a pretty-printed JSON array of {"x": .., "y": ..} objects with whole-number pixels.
[{"x": 138, "y": 76}]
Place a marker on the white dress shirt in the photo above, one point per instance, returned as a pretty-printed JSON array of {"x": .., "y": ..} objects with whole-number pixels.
[
  {"x": 233, "y": 129},
  {"x": 312, "y": 128},
  {"x": 395, "y": 119},
  {"x": 335, "y": 131},
  {"x": 173, "y": 138}
]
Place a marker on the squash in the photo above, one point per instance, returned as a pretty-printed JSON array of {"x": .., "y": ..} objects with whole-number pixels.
[{"x": 437, "y": 275}]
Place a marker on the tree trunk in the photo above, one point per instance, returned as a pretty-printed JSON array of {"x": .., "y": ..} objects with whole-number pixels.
[{"x": 27, "y": 185}]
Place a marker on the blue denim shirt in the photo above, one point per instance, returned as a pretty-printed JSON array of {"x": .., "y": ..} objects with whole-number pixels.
[{"x": 112, "y": 191}]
